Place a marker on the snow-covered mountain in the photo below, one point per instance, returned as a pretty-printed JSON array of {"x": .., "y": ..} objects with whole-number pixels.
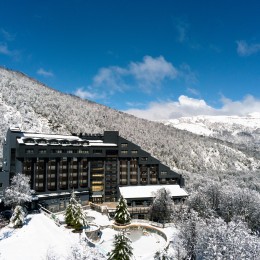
[
  {"x": 36, "y": 107},
  {"x": 244, "y": 131}
]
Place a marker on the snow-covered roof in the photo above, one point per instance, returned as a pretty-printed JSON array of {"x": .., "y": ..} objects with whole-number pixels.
[
  {"x": 149, "y": 191},
  {"x": 51, "y": 136},
  {"x": 60, "y": 139}
]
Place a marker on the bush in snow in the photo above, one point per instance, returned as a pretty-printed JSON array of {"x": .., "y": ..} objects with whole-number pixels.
[
  {"x": 17, "y": 218},
  {"x": 162, "y": 255},
  {"x": 122, "y": 215},
  {"x": 19, "y": 191},
  {"x": 162, "y": 207},
  {"x": 83, "y": 252},
  {"x": 122, "y": 248}
]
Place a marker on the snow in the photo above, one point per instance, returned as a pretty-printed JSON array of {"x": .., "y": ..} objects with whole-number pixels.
[
  {"x": 145, "y": 244},
  {"x": 38, "y": 236},
  {"x": 149, "y": 191},
  {"x": 207, "y": 125},
  {"x": 71, "y": 138}
]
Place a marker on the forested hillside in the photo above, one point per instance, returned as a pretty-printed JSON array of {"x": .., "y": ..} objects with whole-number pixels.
[
  {"x": 35, "y": 107},
  {"x": 221, "y": 217}
]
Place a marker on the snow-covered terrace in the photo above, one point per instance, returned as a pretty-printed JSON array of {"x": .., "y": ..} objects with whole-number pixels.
[{"x": 149, "y": 191}]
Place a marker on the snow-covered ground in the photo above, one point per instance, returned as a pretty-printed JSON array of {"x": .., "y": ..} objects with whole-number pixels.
[
  {"x": 40, "y": 237},
  {"x": 208, "y": 125},
  {"x": 35, "y": 239}
]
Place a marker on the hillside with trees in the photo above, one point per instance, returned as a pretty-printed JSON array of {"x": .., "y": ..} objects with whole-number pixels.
[
  {"x": 222, "y": 177},
  {"x": 36, "y": 107}
]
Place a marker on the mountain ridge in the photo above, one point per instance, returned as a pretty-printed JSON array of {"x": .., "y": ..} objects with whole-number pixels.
[{"x": 34, "y": 106}]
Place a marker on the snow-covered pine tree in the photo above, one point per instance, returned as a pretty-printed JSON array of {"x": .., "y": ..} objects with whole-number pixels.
[
  {"x": 17, "y": 218},
  {"x": 19, "y": 191},
  {"x": 71, "y": 210},
  {"x": 79, "y": 219},
  {"x": 122, "y": 215},
  {"x": 162, "y": 207},
  {"x": 122, "y": 248},
  {"x": 74, "y": 214}
]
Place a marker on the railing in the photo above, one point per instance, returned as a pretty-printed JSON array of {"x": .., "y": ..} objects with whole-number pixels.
[
  {"x": 50, "y": 215},
  {"x": 152, "y": 223}
]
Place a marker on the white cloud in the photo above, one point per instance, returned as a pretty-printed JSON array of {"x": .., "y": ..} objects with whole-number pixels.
[
  {"x": 245, "y": 49},
  {"x": 186, "y": 106},
  {"x": 6, "y": 35},
  {"x": 86, "y": 94},
  {"x": 45, "y": 73},
  {"x": 4, "y": 50},
  {"x": 152, "y": 70},
  {"x": 146, "y": 75},
  {"x": 182, "y": 27},
  {"x": 15, "y": 54},
  {"x": 193, "y": 91},
  {"x": 189, "y": 76},
  {"x": 112, "y": 78}
]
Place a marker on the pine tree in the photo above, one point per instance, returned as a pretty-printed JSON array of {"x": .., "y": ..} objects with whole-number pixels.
[
  {"x": 17, "y": 218},
  {"x": 71, "y": 210},
  {"x": 122, "y": 215},
  {"x": 74, "y": 215},
  {"x": 122, "y": 248},
  {"x": 79, "y": 219}
]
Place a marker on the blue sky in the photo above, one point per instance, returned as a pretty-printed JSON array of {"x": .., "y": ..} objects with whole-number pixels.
[{"x": 154, "y": 59}]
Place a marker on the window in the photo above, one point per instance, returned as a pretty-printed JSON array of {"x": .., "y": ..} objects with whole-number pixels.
[
  {"x": 29, "y": 151},
  {"x": 29, "y": 141},
  {"x": 124, "y": 145},
  {"x": 164, "y": 173},
  {"x": 97, "y": 151},
  {"x": 56, "y": 151},
  {"x": 134, "y": 151},
  {"x": 124, "y": 152},
  {"x": 84, "y": 151},
  {"x": 41, "y": 141},
  {"x": 54, "y": 141},
  {"x": 69, "y": 151},
  {"x": 41, "y": 151},
  {"x": 144, "y": 159}
]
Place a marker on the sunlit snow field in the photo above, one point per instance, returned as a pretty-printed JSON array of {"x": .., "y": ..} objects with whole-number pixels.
[{"x": 40, "y": 236}]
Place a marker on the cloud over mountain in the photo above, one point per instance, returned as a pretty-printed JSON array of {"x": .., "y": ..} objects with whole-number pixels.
[{"x": 186, "y": 106}]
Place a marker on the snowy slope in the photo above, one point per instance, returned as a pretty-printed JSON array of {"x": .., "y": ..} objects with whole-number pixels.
[
  {"x": 235, "y": 129},
  {"x": 35, "y": 239}
]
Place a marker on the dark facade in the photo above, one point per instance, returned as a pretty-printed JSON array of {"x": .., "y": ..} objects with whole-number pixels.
[{"x": 93, "y": 165}]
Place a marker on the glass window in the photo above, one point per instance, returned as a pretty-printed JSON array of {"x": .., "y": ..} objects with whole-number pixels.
[
  {"x": 29, "y": 151},
  {"x": 124, "y": 145},
  {"x": 134, "y": 151},
  {"x": 97, "y": 151},
  {"x": 84, "y": 151},
  {"x": 124, "y": 152}
]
